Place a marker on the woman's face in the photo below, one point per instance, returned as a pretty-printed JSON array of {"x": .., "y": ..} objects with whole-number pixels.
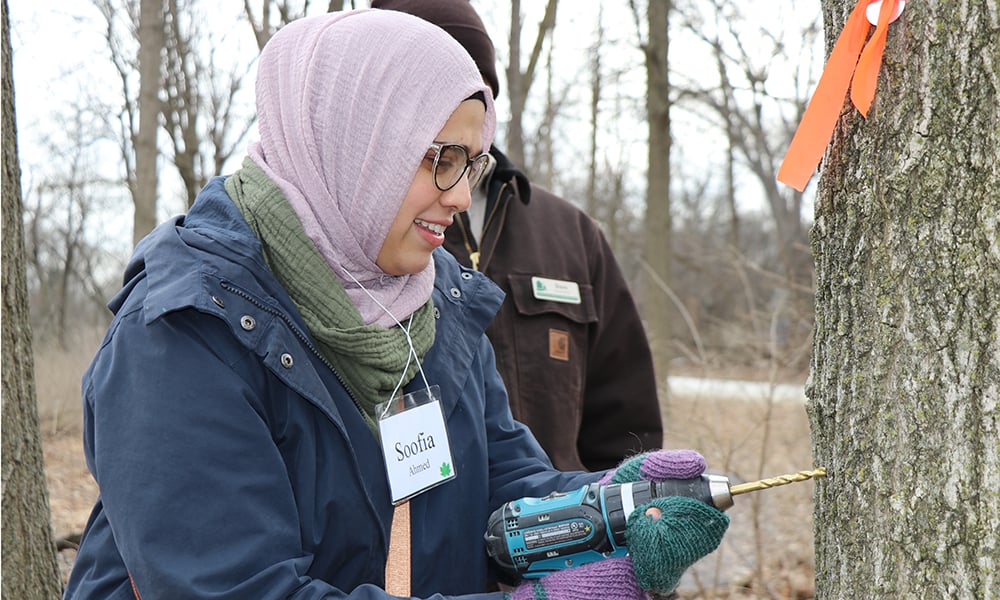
[{"x": 426, "y": 211}]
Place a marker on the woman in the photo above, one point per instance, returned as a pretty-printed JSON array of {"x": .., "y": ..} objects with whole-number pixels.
[{"x": 232, "y": 416}]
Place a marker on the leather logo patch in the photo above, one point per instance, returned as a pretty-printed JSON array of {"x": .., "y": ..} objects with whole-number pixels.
[{"x": 559, "y": 344}]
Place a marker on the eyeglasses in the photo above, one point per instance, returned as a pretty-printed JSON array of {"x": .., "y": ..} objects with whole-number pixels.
[{"x": 451, "y": 162}]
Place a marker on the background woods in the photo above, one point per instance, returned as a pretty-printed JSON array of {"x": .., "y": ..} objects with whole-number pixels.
[
  {"x": 666, "y": 121},
  {"x": 716, "y": 252}
]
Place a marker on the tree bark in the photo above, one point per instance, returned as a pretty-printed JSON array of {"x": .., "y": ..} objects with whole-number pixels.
[
  {"x": 905, "y": 385},
  {"x": 29, "y": 560},
  {"x": 655, "y": 301}
]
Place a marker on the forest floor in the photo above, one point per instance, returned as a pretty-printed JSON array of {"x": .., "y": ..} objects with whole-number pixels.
[{"x": 767, "y": 552}]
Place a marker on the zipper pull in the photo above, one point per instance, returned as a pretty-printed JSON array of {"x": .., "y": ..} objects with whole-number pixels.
[{"x": 474, "y": 257}]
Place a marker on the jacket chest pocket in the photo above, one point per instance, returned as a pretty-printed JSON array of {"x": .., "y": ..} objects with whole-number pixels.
[
  {"x": 529, "y": 301},
  {"x": 550, "y": 336}
]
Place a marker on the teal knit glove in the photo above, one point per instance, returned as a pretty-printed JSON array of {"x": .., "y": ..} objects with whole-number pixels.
[
  {"x": 663, "y": 545},
  {"x": 658, "y": 465}
]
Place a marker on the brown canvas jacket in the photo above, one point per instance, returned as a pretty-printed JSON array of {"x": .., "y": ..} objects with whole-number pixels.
[{"x": 580, "y": 376}]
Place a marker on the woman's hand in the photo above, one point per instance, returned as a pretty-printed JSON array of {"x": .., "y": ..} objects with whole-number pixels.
[
  {"x": 658, "y": 465},
  {"x": 609, "y": 579},
  {"x": 668, "y": 535}
]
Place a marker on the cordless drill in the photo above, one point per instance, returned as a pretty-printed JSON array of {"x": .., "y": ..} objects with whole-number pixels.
[{"x": 532, "y": 537}]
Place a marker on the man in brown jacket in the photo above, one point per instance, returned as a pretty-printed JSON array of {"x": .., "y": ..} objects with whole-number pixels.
[{"x": 570, "y": 346}]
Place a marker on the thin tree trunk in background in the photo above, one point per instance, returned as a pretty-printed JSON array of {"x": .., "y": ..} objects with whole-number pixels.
[
  {"x": 518, "y": 82},
  {"x": 595, "y": 104},
  {"x": 183, "y": 101},
  {"x": 656, "y": 306},
  {"x": 615, "y": 208},
  {"x": 543, "y": 171},
  {"x": 29, "y": 552},
  {"x": 515, "y": 134},
  {"x": 263, "y": 29},
  {"x": 905, "y": 386},
  {"x": 730, "y": 118},
  {"x": 151, "y": 44},
  {"x": 734, "y": 215}
]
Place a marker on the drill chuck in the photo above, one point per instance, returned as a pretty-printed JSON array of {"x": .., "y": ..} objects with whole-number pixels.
[{"x": 532, "y": 537}]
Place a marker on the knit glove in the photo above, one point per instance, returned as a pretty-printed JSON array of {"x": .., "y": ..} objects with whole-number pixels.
[
  {"x": 657, "y": 466},
  {"x": 662, "y": 545},
  {"x": 609, "y": 579},
  {"x": 668, "y": 535}
]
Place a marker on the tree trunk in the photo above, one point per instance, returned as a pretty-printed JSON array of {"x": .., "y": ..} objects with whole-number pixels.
[
  {"x": 596, "y": 82},
  {"x": 519, "y": 82},
  {"x": 151, "y": 44},
  {"x": 905, "y": 386},
  {"x": 184, "y": 102},
  {"x": 515, "y": 133},
  {"x": 29, "y": 559},
  {"x": 543, "y": 171},
  {"x": 656, "y": 306}
]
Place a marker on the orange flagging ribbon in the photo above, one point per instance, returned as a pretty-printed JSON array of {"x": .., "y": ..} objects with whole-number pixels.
[{"x": 843, "y": 69}]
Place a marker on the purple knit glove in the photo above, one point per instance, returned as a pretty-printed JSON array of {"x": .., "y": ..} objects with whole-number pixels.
[
  {"x": 610, "y": 579},
  {"x": 658, "y": 465}
]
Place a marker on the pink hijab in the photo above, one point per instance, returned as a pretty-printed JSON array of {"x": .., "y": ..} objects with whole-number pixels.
[{"x": 347, "y": 105}]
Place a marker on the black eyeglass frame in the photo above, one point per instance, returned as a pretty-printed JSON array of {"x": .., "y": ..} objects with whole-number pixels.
[{"x": 469, "y": 167}]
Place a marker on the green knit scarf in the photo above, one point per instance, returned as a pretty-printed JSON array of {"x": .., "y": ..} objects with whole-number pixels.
[{"x": 368, "y": 358}]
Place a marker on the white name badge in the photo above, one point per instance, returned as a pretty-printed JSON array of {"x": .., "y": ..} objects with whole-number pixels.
[
  {"x": 555, "y": 290},
  {"x": 415, "y": 444}
]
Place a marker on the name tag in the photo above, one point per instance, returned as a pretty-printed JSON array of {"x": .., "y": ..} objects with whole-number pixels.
[
  {"x": 555, "y": 290},
  {"x": 415, "y": 445}
]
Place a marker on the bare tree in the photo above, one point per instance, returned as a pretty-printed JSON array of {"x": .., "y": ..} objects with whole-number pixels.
[
  {"x": 226, "y": 130},
  {"x": 905, "y": 393},
  {"x": 657, "y": 245},
  {"x": 183, "y": 104},
  {"x": 151, "y": 44},
  {"x": 543, "y": 158},
  {"x": 29, "y": 552},
  {"x": 596, "y": 82},
  {"x": 518, "y": 81},
  {"x": 755, "y": 121},
  {"x": 276, "y": 13},
  {"x": 195, "y": 99},
  {"x": 743, "y": 282},
  {"x": 199, "y": 100},
  {"x": 63, "y": 254}
]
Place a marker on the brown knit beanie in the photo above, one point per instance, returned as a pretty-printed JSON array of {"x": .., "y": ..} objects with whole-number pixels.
[{"x": 459, "y": 19}]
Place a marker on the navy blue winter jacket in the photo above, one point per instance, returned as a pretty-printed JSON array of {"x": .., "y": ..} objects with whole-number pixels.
[{"x": 232, "y": 463}]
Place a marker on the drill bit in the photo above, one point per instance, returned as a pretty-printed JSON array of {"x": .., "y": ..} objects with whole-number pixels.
[{"x": 764, "y": 484}]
